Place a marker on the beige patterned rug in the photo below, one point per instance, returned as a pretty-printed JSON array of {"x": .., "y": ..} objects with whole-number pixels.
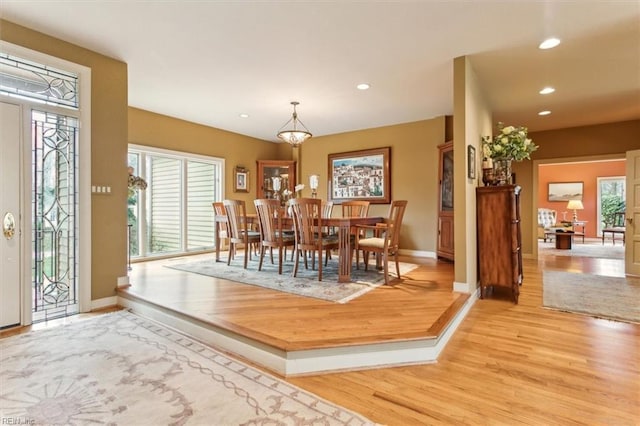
[
  {"x": 305, "y": 284},
  {"x": 590, "y": 248},
  {"x": 613, "y": 298},
  {"x": 122, "y": 369}
]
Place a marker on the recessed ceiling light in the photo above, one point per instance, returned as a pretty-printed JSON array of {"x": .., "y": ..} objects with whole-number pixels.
[
  {"x": 547, "y": 90},
  {"x": 544, "y": 113},
  {"x": 243, "y": 115},
  {"x": 363, "y": 86},
  {"x": 549, "y": 43}
]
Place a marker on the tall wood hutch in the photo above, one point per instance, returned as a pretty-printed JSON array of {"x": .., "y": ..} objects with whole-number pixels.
[
  {"x": 445, "y": 247},
  {"x": 499, "y": 239},
  {"x": 268, "y": 169}
]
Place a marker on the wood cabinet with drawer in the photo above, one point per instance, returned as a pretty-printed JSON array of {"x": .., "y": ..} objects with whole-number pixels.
[{"x": 499, "y": 239}]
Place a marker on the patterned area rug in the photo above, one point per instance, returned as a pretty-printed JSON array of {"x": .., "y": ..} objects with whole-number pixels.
[
  {"x": 588, "y": 249},
  {"x": 305, "y": 284},
  {"x": 599, "y": 296},
  {"x": 123, "y": 369}
]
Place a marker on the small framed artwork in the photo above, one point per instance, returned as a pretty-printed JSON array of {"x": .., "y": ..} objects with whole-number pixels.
[
  {"x": 360, "y": 175},
  {"x": 565, "y": 191},
  {"x": 471, "y": 162},
  {"x": 241, "y": 182}
]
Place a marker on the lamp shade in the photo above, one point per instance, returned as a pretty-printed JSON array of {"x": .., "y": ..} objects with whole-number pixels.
[
  {"x": 575, "y": 205},
  {"x": 313, "y": 181}
]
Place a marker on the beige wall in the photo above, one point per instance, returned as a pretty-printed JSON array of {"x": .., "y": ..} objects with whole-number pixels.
[
  {"x": 414, "y": 163},
  {"x": 108, "y": 150},
  {"x": 160, "y": 131},
  {"x": 414, "y": 172},
  {"x": 472, "y": 120}
]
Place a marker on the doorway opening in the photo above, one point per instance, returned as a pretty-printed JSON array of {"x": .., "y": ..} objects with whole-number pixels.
[{"x": 601, "y": 183}]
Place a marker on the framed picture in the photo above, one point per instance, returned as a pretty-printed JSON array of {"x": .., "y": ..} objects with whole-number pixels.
[
  {"x": 360, "y": 175},
  {"x": 241, "y": 182},
  {"x": 565, "y": 191},
  {"x": 471, "y": 162}
]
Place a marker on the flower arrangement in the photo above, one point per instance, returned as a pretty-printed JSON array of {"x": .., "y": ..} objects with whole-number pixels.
[
  {"x": 135, "y": 183},
  {"x": 511, "y": 143}
]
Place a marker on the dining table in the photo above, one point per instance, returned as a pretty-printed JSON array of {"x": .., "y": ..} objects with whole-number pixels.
[{"x": 342, "y": 224}]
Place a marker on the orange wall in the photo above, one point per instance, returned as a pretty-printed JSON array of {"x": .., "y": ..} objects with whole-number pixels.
[{"x": 588, "y": 173}]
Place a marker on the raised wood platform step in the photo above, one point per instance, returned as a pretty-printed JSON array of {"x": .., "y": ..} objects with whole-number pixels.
[{"x": 409, "y": 322}]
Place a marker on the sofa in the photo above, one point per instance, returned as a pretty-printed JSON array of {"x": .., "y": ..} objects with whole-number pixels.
[{"x": 546, "y": 222}]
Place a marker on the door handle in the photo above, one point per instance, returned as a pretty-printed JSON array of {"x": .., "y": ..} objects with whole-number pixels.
[
  {"x": 630, "y": 220},
  {"x": 8, "y": 226}
]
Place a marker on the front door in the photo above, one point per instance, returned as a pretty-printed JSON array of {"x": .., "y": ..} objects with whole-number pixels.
[
  {"x": 10, "y": 215},
  {"x": 632, "y": 231}
]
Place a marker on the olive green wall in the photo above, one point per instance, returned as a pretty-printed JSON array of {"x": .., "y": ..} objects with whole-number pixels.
[
  {"x": 108, "y": 151},
  {"x": 160, "y": 131},
  {"x": 414, "y": 172}
]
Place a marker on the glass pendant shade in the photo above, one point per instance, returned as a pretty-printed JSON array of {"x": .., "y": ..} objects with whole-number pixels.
[{"x": 294, "y": 136}]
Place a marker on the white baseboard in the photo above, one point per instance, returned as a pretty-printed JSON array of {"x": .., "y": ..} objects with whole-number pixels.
[
  {"x": 418, "y": 253},
  {"x": 104, "y": 302},
  {"x": 312, "y": 361},
  {"x": 123, "y": 281}
]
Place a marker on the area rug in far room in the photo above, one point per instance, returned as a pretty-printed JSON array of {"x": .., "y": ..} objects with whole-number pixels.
[
  {"x": 615, "y": 298},
  {"x": 305, "y": 284},
  {"x": 122, "y": 369}
]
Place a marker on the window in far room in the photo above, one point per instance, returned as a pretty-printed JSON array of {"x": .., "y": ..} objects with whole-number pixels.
[
  {"x": 173, "y": 215},
  {"x": 611, "y": 199}
]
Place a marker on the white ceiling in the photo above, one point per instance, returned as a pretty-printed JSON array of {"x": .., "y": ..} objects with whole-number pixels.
[{"x": 210, "y": 61}]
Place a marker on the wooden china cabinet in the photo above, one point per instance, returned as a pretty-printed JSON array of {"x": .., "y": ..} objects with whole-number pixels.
[
  {"x": 499, "y": 239},
  {"x": 267, "y": 170},
  {"x": 445, "y": 248}
]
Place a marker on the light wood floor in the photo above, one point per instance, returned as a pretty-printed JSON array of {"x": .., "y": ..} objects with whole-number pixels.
[
  {"x": 418, "y": 307},
  {"x": 507, "y": 364},
  {"x": 510, "y": 364}
]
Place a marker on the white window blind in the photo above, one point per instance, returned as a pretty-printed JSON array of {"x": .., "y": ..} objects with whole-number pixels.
[{"x": 175, "y": 213}]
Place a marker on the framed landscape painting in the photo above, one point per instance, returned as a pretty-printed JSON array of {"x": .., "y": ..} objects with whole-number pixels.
[
  {"x": 565, "y": 191},
  {"x": 360, "y": 175}
]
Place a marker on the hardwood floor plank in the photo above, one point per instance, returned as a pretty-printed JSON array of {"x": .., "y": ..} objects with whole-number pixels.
[
  {"x": 511, "y": 364},
  {"x": 506, "y": 364}
]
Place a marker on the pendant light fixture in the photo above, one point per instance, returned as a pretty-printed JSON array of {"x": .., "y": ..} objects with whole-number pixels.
[{"x": 294, "y": 136}]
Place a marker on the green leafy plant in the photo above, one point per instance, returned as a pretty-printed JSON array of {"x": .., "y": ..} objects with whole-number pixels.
[
  {"x": 511, "y": 143},
  {"x": 610, "y": 205}
]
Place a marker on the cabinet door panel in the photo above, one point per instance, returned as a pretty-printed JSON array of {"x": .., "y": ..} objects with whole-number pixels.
[{"x": 269, "y": 169}]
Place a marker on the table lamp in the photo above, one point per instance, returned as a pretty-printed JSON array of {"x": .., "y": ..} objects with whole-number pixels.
[
  {"x": 313, "y": 184},
  {"x": 575, "y": 205}
]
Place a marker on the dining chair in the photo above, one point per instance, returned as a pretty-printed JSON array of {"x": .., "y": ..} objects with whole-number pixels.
[
  {"x": 219, "y": 210},
  {"x": 385, "y": 239},
  {"x": 239, "y": 230},
  {"x": 355, "y": 208},
  {"x": 327, "y": 211},
  {"x": 270, "y": 216},
  {"x": 308, "y": 226}
]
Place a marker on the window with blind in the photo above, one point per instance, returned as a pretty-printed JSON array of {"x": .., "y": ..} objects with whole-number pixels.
[{"x": 173, "y": 215}]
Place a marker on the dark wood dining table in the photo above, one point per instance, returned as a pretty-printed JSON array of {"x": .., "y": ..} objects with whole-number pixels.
[{"x": 342, "y": 224}]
